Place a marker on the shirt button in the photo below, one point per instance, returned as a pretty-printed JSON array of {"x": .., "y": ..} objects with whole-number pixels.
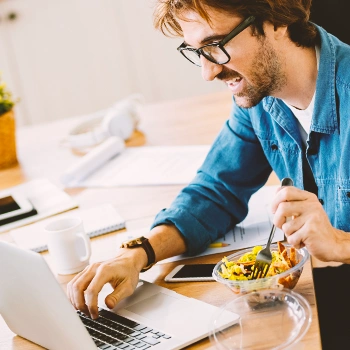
[
  {"x": 321, "y": 201},
  {"x": 274, "y": 147},
  {"x": 348, "y": 194}
]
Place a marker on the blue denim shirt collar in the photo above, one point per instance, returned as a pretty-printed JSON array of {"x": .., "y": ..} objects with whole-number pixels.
[
  {"x": 278, "y": 110},
  {"x": 325, "y": 118}
]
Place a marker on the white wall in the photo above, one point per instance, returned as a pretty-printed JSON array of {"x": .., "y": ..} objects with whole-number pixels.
[{"x": 69, "y": 57}]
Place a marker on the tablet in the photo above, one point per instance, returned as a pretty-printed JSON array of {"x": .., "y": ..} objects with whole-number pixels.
[{"x": 13, "y": 204}]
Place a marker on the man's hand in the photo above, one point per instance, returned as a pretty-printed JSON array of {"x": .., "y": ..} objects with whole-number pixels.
[
  {"x": 310, "y": 225},
  {"x": 122, "y": 272}
]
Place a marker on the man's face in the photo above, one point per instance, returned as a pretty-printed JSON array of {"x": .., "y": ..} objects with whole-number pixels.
[{"x": 255, "y": 69}]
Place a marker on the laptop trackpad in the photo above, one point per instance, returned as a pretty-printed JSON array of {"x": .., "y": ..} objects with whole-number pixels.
[{"x": 159, "y": 306}]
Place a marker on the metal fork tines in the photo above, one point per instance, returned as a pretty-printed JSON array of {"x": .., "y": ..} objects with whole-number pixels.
[{"x": 264, "y": 257}]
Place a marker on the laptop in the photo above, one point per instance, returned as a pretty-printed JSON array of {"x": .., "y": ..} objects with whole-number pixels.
[{"x": 35, "y": 306}]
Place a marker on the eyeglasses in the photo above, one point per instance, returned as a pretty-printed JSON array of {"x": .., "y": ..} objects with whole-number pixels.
[{"x": 214, "y": 52}]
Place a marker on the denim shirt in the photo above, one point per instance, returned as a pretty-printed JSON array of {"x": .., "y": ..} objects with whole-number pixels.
[{"x": 255, "y": 141}]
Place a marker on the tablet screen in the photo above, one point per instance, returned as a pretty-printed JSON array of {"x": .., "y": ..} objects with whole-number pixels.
[{"x": 7, "y": 205}]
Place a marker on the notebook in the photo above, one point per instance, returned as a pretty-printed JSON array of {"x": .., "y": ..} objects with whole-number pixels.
[
  {"x": 156, "y": 316},
  {"x": 97, "y": 221}
]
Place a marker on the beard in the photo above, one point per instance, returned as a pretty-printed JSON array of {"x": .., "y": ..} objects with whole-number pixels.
[{"x": 265, "y": 77}]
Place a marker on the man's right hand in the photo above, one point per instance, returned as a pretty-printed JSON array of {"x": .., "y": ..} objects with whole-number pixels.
[{"x": 121, "y": 272}]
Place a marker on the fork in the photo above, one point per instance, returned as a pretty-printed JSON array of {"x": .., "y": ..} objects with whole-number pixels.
[{"x": 264, "y": 257}]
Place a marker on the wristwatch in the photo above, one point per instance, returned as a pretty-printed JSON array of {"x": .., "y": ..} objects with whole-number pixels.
[{"x": 145, "y": 244}]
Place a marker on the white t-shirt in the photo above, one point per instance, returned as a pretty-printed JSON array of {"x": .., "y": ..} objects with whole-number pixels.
[{"x": 304, "y": 116}]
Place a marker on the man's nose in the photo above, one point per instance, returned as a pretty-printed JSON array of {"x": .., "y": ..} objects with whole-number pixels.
[{"x": 209, "y": 69}]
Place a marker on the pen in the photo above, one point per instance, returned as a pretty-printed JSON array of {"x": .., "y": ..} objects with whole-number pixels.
[{"x": 218, "y": 245}]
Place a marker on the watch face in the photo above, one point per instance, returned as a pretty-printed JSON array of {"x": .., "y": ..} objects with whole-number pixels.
[{"x": 133, "y": 243}]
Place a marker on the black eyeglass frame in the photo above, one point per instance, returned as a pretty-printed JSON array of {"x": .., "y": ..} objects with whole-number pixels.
[{"x": 243, "y": 25}]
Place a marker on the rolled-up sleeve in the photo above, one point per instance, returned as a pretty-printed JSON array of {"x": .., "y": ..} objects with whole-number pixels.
[{"x": 217, "y": 198}]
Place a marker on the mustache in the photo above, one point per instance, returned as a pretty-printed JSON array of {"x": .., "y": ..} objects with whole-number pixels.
[{"x": 228, "y": 74}]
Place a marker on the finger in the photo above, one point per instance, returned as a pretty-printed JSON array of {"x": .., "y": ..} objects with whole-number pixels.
[
  {"x": 103, "y": 275},
  {"x": 70, "y": 287},
  {"x": 121, "y": 291},
  {"x": 285, "y": 211},
  {"x": 299, "y": 236},
  {"x": 292, "y": 226},
  {"x": 288, "y": 194},
  {"x": 79, "y": 284},
  {"x": 71, "y": 282},
  {"x": 296, "y": 240}
]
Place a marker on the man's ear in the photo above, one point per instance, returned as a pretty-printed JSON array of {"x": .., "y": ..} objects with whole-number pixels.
[{"x": 280, "y": 32}]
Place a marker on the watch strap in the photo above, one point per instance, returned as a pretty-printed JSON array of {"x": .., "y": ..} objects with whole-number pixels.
[{"x": 146, "y": 245}]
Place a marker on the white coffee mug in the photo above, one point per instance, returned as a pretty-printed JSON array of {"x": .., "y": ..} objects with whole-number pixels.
[{"x": 68, "y": 245}]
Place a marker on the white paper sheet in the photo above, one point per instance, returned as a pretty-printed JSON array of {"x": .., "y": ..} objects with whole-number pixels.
[
  {"x": 149, "y": 165},
  {"x": 254, "y": 230}
]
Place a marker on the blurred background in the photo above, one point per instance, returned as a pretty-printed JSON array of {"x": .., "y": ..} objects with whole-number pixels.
[{"x": 64, "y": 58}]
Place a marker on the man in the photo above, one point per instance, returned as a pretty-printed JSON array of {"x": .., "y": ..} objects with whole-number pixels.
[{"x": 290, "y": 82}]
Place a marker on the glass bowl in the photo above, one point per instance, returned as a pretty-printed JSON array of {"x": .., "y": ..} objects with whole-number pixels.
[
  {"x": 268, "y": 319},
  {"x": 287, "y": 279}
]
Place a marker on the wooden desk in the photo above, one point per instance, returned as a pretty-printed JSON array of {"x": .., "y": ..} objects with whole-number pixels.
[{"x": 194, "y": 121}]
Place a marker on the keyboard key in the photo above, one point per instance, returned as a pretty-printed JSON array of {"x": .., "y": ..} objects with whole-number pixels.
[
  {"x": 105, "y": 330},
  {"x": 151, "y": 340},
  {"x": 107, "y": 347},
  {"x": 123, "y": 346},
  {"x": 134, "y": 342},
  {"x": 166, "y": 336},
  {"x": 101, "y": 336},
  {"x": 146, "y": 330},
  {"x": 97, "y": 342},
  {"x": 134, "y": 334},
  {"x": 117, "y": 318},
  {"x": 129, "y": 347},
  {"x": 141, "y": 336}
]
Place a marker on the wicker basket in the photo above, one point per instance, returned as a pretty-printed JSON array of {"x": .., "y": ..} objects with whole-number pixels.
[{"x": 8, "y": 155}]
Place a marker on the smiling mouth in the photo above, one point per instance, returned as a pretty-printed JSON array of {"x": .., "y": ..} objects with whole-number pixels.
[
  {"x": 234, "y": 81},
  {"x": 235, "y": 85}
]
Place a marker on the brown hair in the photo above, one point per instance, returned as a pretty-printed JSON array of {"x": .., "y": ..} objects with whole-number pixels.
[{"x": 292, "y": 13}]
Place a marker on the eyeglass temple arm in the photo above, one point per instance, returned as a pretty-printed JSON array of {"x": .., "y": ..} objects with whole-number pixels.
[{"x": 247, "y": 22}]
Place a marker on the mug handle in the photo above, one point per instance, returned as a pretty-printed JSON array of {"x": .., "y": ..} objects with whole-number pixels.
[{"x": 87, "y": 246}]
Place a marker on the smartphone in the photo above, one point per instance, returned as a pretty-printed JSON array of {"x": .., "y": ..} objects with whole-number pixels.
[
  {"x": 13, "y": 204},
  {"x": 191, "y": 273}
]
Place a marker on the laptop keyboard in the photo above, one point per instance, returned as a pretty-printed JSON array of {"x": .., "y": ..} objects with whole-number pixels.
[{"x": 113, "y": 332}]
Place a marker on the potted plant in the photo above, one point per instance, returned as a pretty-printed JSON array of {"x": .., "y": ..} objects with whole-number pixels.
[{"x": 8, "y": 155}]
